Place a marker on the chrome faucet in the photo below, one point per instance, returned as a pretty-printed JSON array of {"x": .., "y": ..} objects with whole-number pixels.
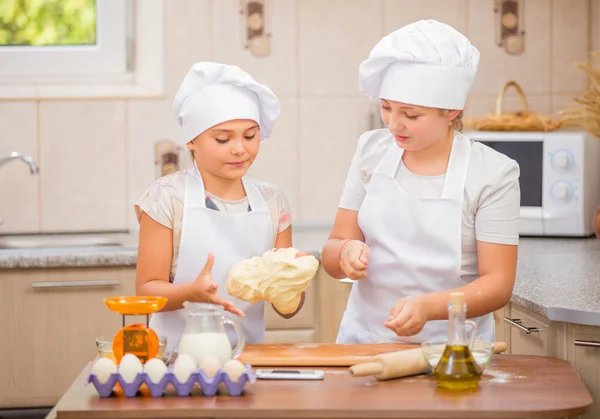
[{"x": 17, "y": 155}]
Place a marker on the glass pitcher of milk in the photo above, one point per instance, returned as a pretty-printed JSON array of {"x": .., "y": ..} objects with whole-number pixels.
[{"x": 205, "y": 335}]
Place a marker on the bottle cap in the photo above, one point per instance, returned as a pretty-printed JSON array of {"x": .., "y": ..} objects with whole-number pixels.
[{"x": 457, "y": 298}]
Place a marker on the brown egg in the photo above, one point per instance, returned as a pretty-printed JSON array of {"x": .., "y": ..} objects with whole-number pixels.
[
  {"x": 210, "y": 365},
  {"x": 234, "y": 369}
]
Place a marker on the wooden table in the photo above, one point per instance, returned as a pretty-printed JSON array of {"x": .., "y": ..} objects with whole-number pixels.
[{"x": 513, "y": 386}]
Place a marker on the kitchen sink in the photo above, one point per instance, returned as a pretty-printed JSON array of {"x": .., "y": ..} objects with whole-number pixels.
[{"x": 55, "y": 241}]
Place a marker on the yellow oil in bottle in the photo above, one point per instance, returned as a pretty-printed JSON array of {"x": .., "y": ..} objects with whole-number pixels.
[{"x": 457, "y": 369}]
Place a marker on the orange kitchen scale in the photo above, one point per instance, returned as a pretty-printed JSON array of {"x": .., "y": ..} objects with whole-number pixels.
[{"x": 137, "y": 339}]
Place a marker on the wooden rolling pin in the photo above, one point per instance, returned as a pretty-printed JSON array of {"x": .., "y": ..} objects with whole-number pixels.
[{"x": 401, "y": 364}]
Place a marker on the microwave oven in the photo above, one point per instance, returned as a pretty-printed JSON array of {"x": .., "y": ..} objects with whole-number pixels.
[{"x": 559, "y": 178}]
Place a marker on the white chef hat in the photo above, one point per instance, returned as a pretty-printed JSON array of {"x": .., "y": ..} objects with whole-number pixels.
[
  {"x": 212, "y": 93},
  {"x": 426, "y": 63}
]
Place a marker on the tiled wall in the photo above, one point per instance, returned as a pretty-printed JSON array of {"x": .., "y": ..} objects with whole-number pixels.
[{"x": 96, "y": 156}]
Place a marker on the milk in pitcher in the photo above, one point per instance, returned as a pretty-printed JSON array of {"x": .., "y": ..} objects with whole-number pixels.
[{"x": 202, "y": 344}]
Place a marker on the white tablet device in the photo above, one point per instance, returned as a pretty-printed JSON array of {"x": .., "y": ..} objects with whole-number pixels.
[{"x": 275, "y": 374}]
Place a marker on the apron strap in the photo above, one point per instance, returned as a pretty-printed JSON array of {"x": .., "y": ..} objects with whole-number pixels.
[
  {"x": 456, "y": 174},
  {"x": 458, "y": 166},
  {"x": 390, "y": 161},
  {"x": 195, "y": 195},
  {"x": 255, "y": 199}
]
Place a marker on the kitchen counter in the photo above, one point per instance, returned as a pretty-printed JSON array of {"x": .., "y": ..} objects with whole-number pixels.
[
  {"x": 556, "y": 278},
  {"x": 537, "y": 387},
  {"x": 560, "y": 279}
]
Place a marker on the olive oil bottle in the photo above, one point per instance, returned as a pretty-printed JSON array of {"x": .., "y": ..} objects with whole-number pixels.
[{"x": 457, "y": 369}]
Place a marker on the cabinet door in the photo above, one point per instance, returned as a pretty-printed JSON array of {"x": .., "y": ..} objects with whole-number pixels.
[
  {"x": 305, "y": 318},
  {"x": 502, "y": 331},
  {"x": 583, "y": 352},
  {"x": 50, "y": 320},
  {"x": 543, "y": 337},
  {"x": 333, "y": 296},
  {"x": 290, "y": 336}
]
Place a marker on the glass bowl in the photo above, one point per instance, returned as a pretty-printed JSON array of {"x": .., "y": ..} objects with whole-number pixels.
[
  {"x": 482, "y": 352},
  {"x": 104, "y": 346}
]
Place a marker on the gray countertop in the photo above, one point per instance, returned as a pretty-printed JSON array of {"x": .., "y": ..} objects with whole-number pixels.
[
  {"x": 560, "y": 279},
  {"x": 556, "y": 278}
]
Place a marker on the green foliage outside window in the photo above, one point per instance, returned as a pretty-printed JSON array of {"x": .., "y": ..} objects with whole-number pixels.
[{"x": 47, "y": 22}]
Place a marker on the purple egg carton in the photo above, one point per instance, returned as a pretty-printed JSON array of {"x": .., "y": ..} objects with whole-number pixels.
[{"x": 209, "y": 386}]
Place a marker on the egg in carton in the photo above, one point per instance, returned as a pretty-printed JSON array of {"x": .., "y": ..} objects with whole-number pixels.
[{"x": 183, "y": 375}]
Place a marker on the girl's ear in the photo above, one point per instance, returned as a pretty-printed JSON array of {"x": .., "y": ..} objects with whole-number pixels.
[
  {"x": 191, "y": 145},
  {"x": 450, "y": 115}
]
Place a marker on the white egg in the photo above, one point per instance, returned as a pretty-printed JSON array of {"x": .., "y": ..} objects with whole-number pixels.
[
  {"x": 210, "y": 365},
  {"x": 156, "y": 369},
  {"x": 103, "y": 368},
  {"x": 129, "y": 367},
  {"x": 234, "y": 369},
  {"x": 183, "y": 367}
]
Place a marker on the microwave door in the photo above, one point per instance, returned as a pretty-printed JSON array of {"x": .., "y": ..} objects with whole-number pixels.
[{"x": 528, "y": 152}]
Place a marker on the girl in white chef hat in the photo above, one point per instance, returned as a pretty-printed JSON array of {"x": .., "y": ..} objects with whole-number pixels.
[
  {"x": 425, "y": 211},
  {"x": 196, "y": 223}
]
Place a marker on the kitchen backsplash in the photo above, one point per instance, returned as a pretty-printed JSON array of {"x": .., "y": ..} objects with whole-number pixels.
[{"x": 96, "y": 157}]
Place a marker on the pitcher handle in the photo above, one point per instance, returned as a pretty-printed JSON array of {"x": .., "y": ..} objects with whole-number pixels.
[
  {"x": 241, "y": 341},
  {"x": 473, "y": 332}
]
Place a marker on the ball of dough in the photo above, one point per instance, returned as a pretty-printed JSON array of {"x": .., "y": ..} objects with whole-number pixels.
[
  {"x": 277, "y": 276},
  {"x": 129, "y": 367},
  {"x": 210, "y": 365},
  {"x": 234, "y": 369},
  {"x": 103, "y": 368},
  {"x": 156, "y": 369},
  {"x": 184, "y": 367}
]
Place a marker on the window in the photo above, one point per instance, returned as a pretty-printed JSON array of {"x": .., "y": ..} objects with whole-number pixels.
[
  {"x": 66, "y": 38},
  {"x": 81, "y": 48}
]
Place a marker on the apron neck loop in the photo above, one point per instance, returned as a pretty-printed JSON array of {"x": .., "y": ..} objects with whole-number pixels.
[
  {"x": 456, "y": 174},
  {"x": 195, "y": 194}
]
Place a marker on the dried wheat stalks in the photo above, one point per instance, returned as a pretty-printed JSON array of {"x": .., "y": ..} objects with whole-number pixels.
[{"x": 588, "y": 114}]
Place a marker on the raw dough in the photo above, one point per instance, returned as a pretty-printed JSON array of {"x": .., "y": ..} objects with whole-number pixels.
[{"x": 277, "y": 276}]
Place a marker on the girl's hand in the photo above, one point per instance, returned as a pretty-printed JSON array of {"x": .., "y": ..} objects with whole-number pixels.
[
  {"x": 408, "y": 316},
  {"x": 204, "y": 290},
  {"x": 354, "y": 259}
]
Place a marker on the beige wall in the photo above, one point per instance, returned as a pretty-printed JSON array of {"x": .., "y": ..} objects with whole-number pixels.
[{"x": 96, "y": 156}]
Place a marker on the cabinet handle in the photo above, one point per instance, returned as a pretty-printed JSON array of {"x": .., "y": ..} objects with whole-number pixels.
[
  {"x": 588, "y": 343},
  {"x": 518, "y": 323},
  {"x": 69, "y": 284}
]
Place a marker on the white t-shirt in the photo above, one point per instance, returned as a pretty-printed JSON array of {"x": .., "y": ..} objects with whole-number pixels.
[
  {"x": 164, "y": 203},
  {"x": 492, "y": 196}
]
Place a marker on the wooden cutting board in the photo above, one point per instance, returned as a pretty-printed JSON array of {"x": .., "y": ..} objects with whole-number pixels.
[{"x": 314, "y": 355}]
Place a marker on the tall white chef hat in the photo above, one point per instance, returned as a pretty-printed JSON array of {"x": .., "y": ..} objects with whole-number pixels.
[
  {"x": 212, "y": 93},
  {"x": 425, "y": 63}
]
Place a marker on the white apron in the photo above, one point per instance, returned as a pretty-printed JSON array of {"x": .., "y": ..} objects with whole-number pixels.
[
  {"x": 231, "y": 237},
  {"x": 415, "y": 249}
]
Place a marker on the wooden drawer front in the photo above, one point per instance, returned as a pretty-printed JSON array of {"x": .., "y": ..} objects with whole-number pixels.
[
  {"x": 542, "y": 343},
  {"x": 51, "y": 319}
]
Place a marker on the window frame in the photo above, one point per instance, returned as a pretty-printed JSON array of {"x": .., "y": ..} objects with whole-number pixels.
[{"x": 136, "y": 70}]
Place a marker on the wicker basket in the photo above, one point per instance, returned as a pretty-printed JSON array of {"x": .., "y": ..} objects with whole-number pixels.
[{"x": 523, "y": 120}]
